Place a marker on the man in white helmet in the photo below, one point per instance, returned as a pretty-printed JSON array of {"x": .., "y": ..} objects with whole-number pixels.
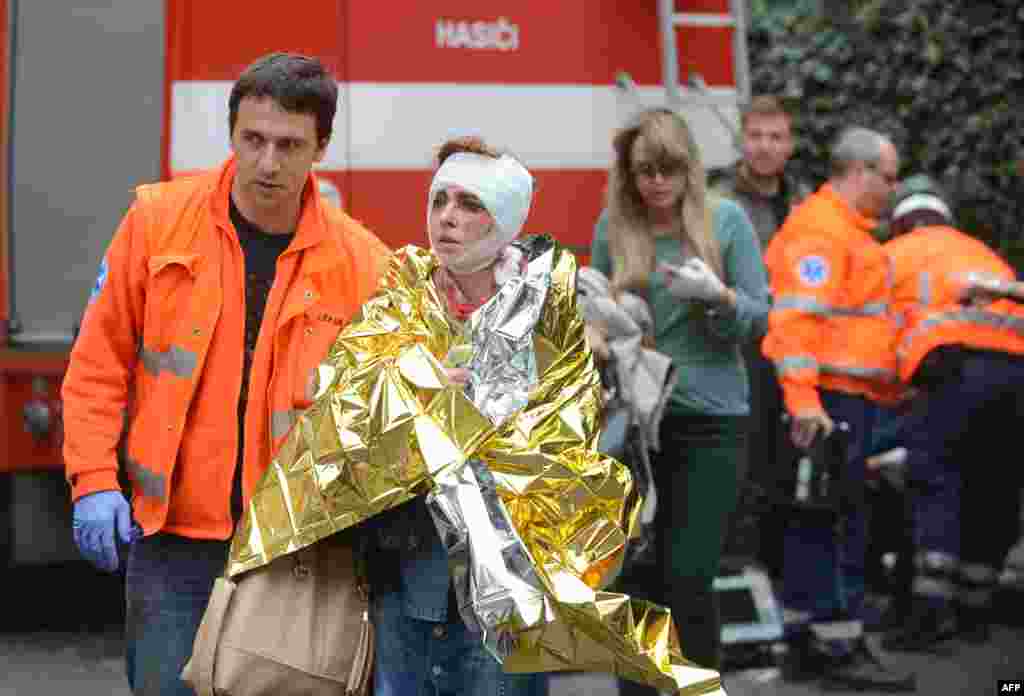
[{"x": 965, "y": 352}]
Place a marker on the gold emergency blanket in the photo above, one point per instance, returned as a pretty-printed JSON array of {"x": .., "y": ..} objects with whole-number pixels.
[{"x": 535, "y": 520}]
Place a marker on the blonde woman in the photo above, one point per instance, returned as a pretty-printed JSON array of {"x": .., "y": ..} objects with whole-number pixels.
[{"x": 698, "y": 263}]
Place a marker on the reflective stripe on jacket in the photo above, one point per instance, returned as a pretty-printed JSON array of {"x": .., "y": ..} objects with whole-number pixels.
[
  {"x": 162, "y": 341},
  {"x": 926, "y": 296},
  {"x": 830, "y": 326}
]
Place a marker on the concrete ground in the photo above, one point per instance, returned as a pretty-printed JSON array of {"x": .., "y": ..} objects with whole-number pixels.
[
  {"x": 61, "y": 631},
  {"x": 90, "y": 663},
  {"x": 965, "y": 670}
]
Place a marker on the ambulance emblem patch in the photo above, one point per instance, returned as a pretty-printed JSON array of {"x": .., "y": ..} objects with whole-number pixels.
[
  {"x": 101, "y": 280},
  {"x": 813, "y": 270}
]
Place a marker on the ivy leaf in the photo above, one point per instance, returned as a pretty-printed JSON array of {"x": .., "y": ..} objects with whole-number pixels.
[{"x": 944, "y": 79}]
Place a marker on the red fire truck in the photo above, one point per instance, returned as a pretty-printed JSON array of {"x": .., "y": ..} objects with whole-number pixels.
[{"x": 99, "y": 96}]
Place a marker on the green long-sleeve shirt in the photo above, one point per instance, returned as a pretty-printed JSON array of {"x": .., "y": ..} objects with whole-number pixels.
[{"x": 712, "y": 375}]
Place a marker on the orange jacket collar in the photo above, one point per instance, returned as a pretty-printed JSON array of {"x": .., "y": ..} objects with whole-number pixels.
[
  {"x": 861, "y": 222},
  {"x": 311, "y": 233}
]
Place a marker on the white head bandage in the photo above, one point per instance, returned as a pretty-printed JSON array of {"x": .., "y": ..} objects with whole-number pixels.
[
  {"x": 921, "y": 201},
  {"x": 504, "y": 187}
]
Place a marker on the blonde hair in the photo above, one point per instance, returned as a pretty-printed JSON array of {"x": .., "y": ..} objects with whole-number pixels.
[{"x": 668, "y": 139}]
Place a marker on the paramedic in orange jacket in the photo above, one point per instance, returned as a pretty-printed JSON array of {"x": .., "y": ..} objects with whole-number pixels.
[
  {"x": 830, "y": 336},
  {"x": 967, "y": 356},
  {"x": 215, "y": 302}
]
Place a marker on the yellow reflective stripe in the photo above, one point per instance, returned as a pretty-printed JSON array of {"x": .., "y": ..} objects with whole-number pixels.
[
  {"x": 178, "y": 361},
  {"x": 936, "y": 561},
  {"x": 837, "y": 630},
  {"x": 924, "y": 288},
  {"x": 152, "y": 484},
  {"x": 282, "y": 421},
  {"x": 794, "y": 363},
  {"x": 980, "y": 597},
  {"x": 875, "y": 373},
  {"x": 811, "y": 305},
  {"x": 802, "y": 362},
  {"x": 978, "y": 573},
  {"x": 928, "y": 586},
  {"x": 970, "y": 316}
]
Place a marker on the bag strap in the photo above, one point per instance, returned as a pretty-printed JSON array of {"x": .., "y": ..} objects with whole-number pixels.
[
  {"x": 363, "y": 661},
  {"x": 206, "y": 643}
]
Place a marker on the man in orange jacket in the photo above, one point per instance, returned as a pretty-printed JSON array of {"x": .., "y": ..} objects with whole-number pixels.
[
  {"x": 967, "y": 356},
  {"x": 216, "y": 300},
  {"x": 830, "y": 336}
]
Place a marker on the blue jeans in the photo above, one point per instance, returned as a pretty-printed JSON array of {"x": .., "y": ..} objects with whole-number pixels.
[
  {"x": 415, "y": 657},
  {"x": 824, "y": 567},
  {"x": 167, "y": 587}
]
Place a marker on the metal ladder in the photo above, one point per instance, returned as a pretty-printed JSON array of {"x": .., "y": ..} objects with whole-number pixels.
[{"x": 669, "y": 20}]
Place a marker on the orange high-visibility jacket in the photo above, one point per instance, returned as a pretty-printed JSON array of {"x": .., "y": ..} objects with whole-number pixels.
[
  {"x": 926, "y": 296},
  {"x": 162, "y": 343},
  {"x": 829, "y": 326}
]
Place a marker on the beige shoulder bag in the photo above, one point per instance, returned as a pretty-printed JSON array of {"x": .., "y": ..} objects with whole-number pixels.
[{"x": 299, "y": 625}]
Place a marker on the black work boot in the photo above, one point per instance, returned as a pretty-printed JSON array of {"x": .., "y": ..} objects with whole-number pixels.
[
  {"x": 888, "y": 613},
  {"x": 863, "y": 670},
  {"x": 974, "y": 623},
  {"x": 925, "y": 627},
  {"x": 808, "y": 658},
  {"x": 976, "y": 590}
]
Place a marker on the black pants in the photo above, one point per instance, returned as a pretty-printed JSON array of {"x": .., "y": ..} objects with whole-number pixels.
[{"x": 695, "y": 474}]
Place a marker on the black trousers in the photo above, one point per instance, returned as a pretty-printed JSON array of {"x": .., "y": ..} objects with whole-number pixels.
[{"x": 695, "y": 474}]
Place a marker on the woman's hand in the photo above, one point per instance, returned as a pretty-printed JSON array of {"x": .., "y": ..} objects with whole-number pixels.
[
  {"x": 458, "y": 376},
  {"x": 694, "y": 281},
  {"x": 596, "y": 337}
]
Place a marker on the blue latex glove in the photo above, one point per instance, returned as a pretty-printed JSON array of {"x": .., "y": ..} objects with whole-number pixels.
[{"x": 99, "y": 518}]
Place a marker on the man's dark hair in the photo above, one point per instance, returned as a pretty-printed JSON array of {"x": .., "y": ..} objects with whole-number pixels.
[{"x": 299, "y": 84}]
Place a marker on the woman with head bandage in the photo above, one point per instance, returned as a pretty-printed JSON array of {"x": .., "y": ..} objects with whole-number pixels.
[
  {"x": 455, "y": 434},
  {"x": 476, "y": 207},
  {"x": 501, "y": 186}
]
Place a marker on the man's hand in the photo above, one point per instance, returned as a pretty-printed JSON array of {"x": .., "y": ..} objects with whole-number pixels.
[
  {"x": 981, "y": 289},
  {"x": 896, "y": 458},
  {"x": 694, "y": 281},
  {"x": 97, "y": 518},
  {"x": 808, "y": 425}
]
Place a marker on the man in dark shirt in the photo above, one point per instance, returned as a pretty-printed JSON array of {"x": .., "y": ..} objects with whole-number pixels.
[
  {"x": 172, "y": 340},
  {"x": 261, "y": 250},
  {"x": 760, "y": 183}
]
